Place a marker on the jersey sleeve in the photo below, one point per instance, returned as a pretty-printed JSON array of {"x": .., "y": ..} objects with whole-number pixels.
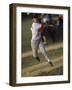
[{"x": 36, "y": 26}]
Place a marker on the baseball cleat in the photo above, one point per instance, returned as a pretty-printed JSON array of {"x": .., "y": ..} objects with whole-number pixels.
[
  {"x": 51, "y": 63},
  {"x": 37, "y": 58}
]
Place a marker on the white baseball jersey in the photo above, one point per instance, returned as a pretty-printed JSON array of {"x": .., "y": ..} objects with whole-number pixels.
[{"x": 36, "y": 35}]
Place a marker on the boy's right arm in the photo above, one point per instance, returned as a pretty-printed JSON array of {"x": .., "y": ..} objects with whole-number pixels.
[{"x": 39, "y": 26}]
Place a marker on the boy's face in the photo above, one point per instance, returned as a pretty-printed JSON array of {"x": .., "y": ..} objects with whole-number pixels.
[{"x": 34, "y": 20}]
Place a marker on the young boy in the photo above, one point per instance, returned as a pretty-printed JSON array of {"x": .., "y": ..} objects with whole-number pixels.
[{"x": 36, "y": 41}]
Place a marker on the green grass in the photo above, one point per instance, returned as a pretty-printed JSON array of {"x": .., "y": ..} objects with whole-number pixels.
[
  {"x": 29, "y": 61},
  {"x": 26, "y": 34},
  {"x": 56, "y": 71}
]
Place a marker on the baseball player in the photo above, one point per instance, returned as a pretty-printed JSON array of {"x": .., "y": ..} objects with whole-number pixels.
[{"x": 36, "y": 41}]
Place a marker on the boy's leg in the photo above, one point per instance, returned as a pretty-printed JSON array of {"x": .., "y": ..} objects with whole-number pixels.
[
  {"x": 45, "y": 41},
  {"x": 34, "y": 45},
  {"x": 43, "y": 51}
]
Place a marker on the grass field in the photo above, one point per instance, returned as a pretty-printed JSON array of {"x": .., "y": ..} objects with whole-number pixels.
[
  {"x": 57, "y": 71},
  {"x": 28, "y": 62},
  {"x": 26, "y": 34}
]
